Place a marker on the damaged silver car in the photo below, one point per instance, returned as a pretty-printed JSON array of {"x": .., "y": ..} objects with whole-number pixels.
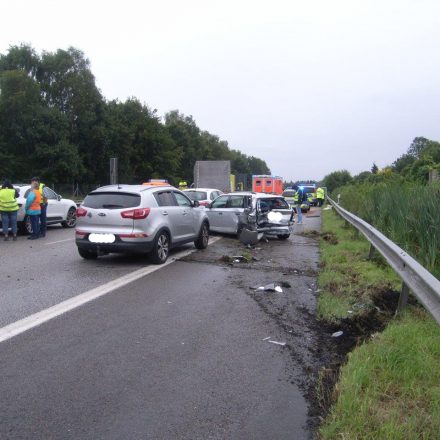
[{"x": 251, "y": 215}]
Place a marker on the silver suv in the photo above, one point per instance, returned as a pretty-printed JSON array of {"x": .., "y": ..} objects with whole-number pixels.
[{"x": 139, "y": 218}]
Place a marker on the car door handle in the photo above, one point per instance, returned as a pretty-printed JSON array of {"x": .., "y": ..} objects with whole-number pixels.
[
  {"x": 164, "y": 213},
  {"x": 220, "y": 213}
]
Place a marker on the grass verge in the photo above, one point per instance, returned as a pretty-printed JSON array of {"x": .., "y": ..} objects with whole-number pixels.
[
  {"x": 389, "y": 387},
  {"x": 348, "y": 280}
]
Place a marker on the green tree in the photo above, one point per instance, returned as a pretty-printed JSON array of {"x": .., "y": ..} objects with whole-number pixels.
[{"x": 336, "y": 179}]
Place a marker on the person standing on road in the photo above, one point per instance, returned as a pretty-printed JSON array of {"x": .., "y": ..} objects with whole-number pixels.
[
  {"x": 9, "y": 208},
  {"x": 300, "y": 197},
  {"x": 33, "y": 208},
  {"x": 320, "y": 196},
  {"x": 43, "y": 206}
]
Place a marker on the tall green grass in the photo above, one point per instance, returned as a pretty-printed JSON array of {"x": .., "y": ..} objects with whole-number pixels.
[{"x": 407, "y": 213}]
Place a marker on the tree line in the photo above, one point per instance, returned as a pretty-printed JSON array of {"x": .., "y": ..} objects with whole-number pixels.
[
  {"x": 55, "y": 123},
  {"x": 422, "y": 156}
]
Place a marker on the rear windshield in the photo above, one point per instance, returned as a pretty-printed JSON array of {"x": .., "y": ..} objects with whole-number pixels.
[
  {"x": 112, "y": 200},
  {"x": 197, "y": 195},
  {"x": 309, "y": 189},
  {"x": 289, "y": 193},
  {"x": 275, "y": 203}
]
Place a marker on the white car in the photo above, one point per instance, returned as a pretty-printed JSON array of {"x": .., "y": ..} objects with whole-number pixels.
[
  {"x": 205, "y": 196},
  {"x": 59, "y": 210}
]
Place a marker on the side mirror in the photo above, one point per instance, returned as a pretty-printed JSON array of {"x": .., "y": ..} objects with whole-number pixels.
[
  {"x": 196, "y": 204},
  {"x": 59, "y": 197}
]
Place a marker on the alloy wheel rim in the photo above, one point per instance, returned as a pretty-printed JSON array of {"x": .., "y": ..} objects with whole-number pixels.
[
  {"x": 162, "y": 247},
  {"x": 71, "y": 218}
]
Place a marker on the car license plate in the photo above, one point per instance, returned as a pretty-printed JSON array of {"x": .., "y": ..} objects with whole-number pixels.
[{"x": 102, "y": 238}]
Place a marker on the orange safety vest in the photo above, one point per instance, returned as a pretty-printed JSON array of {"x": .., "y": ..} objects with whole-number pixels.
[{"x": 35, "y": 205}]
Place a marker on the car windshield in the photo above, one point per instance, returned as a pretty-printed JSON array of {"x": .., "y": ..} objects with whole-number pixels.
[
  {"x": 112, "y": 200},
  {"x": 197, "y": 195}
]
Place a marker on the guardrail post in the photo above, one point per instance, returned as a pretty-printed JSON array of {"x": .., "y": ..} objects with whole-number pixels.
[
  {"x": 403, "y": 298},
  {"x": 371, "y": 252}
]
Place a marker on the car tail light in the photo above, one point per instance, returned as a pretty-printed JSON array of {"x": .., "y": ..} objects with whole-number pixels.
[
  {"x": 81, "y": 212},
  {"x": 136, "y": 214},
  {"x": 81, "y": 233},
  {"x": 136, "y": 235}
]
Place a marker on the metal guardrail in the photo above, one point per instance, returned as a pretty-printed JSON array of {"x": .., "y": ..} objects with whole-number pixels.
[{"x": 414, "y": 276}]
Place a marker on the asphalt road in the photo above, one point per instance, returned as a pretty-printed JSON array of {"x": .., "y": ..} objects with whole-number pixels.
[{"x": 178, "y": 354}]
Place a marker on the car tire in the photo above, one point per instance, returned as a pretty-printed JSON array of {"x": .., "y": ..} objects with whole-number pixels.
[
  {"x": 88, "y": 254},
  {"x": 202, "y": 240},
  {"x": 70, "y": 221},
  {"x": 25, "y": 226},
  {"x": 161, "y": 248},
  {"x": 284, "y": 236}
]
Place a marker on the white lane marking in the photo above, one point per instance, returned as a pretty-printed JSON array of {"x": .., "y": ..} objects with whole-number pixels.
[
  {"x": 59, "y": 241},
  {"x": 14, "y": 329}
]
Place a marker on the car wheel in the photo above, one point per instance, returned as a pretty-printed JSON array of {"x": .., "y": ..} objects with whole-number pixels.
[
  {"x": 70, "y": 221},
  {"x": 203, "y": 238},
  {"x": 88, "y": 254},
  {"x": 161, "y": 248},
  {"x": 284, "y": 236},
  {"x": 25, "y": 226}
]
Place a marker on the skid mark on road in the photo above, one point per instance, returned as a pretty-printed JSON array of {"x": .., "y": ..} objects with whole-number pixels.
[{"x": 39, "y": 318}]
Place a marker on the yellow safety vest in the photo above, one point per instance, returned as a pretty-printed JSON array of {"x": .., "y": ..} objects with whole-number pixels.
[
  {"x": 43, "y": 199},
  {"x": 320, "y": 193},
  {"x": 8, "y": 202}
]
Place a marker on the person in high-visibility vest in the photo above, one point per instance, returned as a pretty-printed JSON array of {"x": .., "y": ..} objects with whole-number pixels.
[
  {"x": 299, "y": 197},
  {"x": 183, "y": 184},
  {"x": 43, "y": 206},
  {"x": 9, "y": 208},
  {"x": 33, "y": 208},
  {"x": 320, "y": 196}
]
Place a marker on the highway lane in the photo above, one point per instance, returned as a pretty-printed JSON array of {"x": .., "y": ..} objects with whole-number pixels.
[
  {"x": 178, "y": 354},
  {"x": 38, "y": 274}
]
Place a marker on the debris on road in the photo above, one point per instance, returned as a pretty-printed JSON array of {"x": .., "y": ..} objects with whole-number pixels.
[
  {"x": 337, "y": 334},
  {"x": 277, "y": 343},
  {"x": 285, "y": 284},
  {"x": 272, "y": 287},
  {"x": 249, "y": 237},
  {"x": 240, "y": 258}
]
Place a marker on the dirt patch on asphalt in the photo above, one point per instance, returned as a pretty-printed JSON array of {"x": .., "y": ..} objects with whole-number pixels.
[{"x": 329, "y": 237}]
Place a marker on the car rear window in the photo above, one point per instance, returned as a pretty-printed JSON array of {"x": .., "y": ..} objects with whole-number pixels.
[
  {"x": 112, "y": 200},
  {"x": 197, "y": 195},
  {"x": 289, "y": 193},
  {"x": 275, "y": 203}
]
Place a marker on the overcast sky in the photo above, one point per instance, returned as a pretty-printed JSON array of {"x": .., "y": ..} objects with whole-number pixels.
[{"x": 309, "y": 86}]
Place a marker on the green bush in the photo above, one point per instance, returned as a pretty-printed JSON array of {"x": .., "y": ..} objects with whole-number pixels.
[{"x": 407, "y": 213}]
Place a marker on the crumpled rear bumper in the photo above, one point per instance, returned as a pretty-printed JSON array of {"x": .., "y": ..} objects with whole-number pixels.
[{"x": 276, "y": 228}]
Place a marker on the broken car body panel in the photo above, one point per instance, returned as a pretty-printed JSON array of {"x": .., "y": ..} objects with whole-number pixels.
[{"x": 260, "y": 213}]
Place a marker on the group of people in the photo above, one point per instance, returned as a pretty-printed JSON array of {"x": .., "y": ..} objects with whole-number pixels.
[
  {"x": 35, "y": 208},
  {"x": 301, "y": 197}
]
